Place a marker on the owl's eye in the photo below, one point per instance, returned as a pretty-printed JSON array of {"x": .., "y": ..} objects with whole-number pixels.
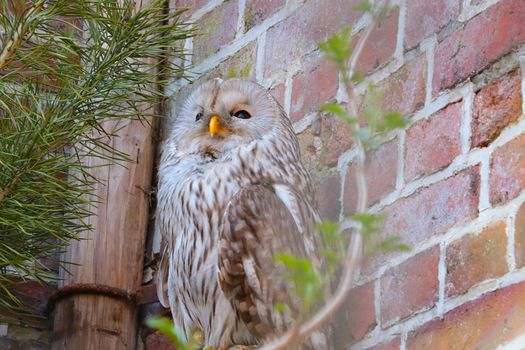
[
  {"x": 198, "y": 117},
  {"x": 242, "y": 115}
]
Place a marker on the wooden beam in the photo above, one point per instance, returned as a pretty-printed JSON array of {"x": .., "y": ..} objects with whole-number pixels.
[{"x": 111, "y": 257}]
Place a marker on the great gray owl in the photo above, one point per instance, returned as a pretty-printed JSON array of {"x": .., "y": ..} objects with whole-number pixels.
[{"x": 232, "y": 193}]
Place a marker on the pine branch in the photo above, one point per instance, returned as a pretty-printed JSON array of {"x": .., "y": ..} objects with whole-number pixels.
[{"x": 71, "y": 73}]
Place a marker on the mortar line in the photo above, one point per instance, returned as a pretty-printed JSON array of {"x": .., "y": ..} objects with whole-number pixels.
[
  {"x": 510, "y": 256},
  {"x": 466, "y": 118},
  {"x": 442, "y": 271},
  {"x": 424, "y": 317},
  {"x": 259, "y": 65},
  {"x": 240, "y": 18}
]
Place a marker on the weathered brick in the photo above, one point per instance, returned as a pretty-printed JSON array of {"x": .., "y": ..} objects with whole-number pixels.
[
  {"x": 434, "y": 209},
  {"x": 258, "y": 10},
  {"x": 432, "y": 144},
  {"x": 404, "y": 91},
  {"x": 472, "y": 47},
  {"x": 300, "y": 33},
  {"x": 336, "y": 137},
  {"x": 240, "y": 65},
  {"x": 519, "y": 237},
  {"x": 424, "y": 18},
  {"x": 328, "y": 193},
  {"x": 380, "y": 172},
  {"x": 507, "y": 171},
  {"x": 357, "y": 316},
  {"x": 410, "y": 287},
  {"x": 216, "y": 29},
  {"x": 318, "y": 73},
  {"x": 381, "y": 44},
  {"x": 308, "y": 150},
  {"x": 390, "y": 345},
  {"x": 475, "y": 258},
  {"x": 496, "y": 106},
  {"x": 190, "y": 5},
  {"x": 278, "y": 92},
  {"x": 481, "y": 324},
  {"x": 34, "y": 294}
]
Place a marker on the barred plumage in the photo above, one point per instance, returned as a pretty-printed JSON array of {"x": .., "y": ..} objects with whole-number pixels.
[{"x": 232, "y": 192}]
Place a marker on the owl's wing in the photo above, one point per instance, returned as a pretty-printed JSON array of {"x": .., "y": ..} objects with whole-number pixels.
[
  {"x": 255, "y": 226},
  {"x": 162, "y": 277}
]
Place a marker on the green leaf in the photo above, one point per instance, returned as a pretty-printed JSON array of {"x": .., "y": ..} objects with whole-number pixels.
[
  {"x": 364, "y": 134},
  {"x": 307, "y": 282},
  {"x": 370, "y": 224},
  {"x": 281, "y": 307},
  {"x": 393, "y": 243},
  {"x": 166, "y": 327},
  {"x": 176, "y": 336},
  {"x": 338, "y": 48},
  {"x": 328, "y": 228},
  {"x": 391, "y": 121},
  {"x": 338, "y": 111},
  {"x": 357, "y": 77},
  {"x": 363, "y": 6}
]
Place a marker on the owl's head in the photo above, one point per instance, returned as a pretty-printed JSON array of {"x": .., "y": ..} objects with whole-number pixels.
[{"x": 221, "y": 115}]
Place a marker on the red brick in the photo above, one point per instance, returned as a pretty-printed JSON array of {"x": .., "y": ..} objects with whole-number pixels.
[
  {"x": 404, "y": 91},
  {"x": 381, "y": 44},
  {"x": 357, "y": 316},
  {"x": 278, "y": 92},
  {"x": 241, "y": 64},
  {"x": 215, "y": 29},
  {"x": 432, "y": 144},
  {"x": 481, "y": 324},
  {"x": 391, "y": 345},
  {"x": 147, "y": 294},
  {"x": 190, "y": 5},
  {"x": 336, "y": 137},
  {"x": 434, "y": 209},
  {"x": 475, "y": 258},
  {"x": 33, "y": 294},
  {"x": 158, "y": 341},
  {"x": 320, "y": 74},
  {"x": 380, "y": 172},
  {"x": 300, "y": 33},
  {"x": 410, "y": 287},
  {"x": 258, "y": 10},
  {"x": 483, "y": 39},
  {"x": 496, "y": 106},
  {"x": 361, "y": 306},
  {"x": 520, "y": 237},
  {"x": 328, "y": 192},
  {"x": 507, "y": 171},
  {"x": 308, "y": 151},
  {"x": 424, "y": 18}
]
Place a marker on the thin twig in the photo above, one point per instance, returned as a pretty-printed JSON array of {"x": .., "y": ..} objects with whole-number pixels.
[{"x": 355, "y": 247}]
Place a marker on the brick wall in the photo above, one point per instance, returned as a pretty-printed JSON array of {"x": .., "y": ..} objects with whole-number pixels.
[{"x": 451, "y": 184}]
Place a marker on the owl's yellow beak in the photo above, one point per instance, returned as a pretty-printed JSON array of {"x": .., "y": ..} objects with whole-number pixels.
[{"x": 214, "y": 125}]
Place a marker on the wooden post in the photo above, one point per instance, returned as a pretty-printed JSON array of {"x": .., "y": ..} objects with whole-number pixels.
[{"x": 95, "y": 308}]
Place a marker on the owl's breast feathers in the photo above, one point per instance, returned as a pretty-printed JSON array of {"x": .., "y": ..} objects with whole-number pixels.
[{"x": 256, "y": 201}]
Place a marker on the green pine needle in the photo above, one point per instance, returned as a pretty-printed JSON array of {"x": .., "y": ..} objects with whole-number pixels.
[{"x": 78, "y": 67}]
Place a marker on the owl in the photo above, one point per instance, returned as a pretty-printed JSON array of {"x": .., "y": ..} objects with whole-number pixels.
[{"x": 232, "y": 193}]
